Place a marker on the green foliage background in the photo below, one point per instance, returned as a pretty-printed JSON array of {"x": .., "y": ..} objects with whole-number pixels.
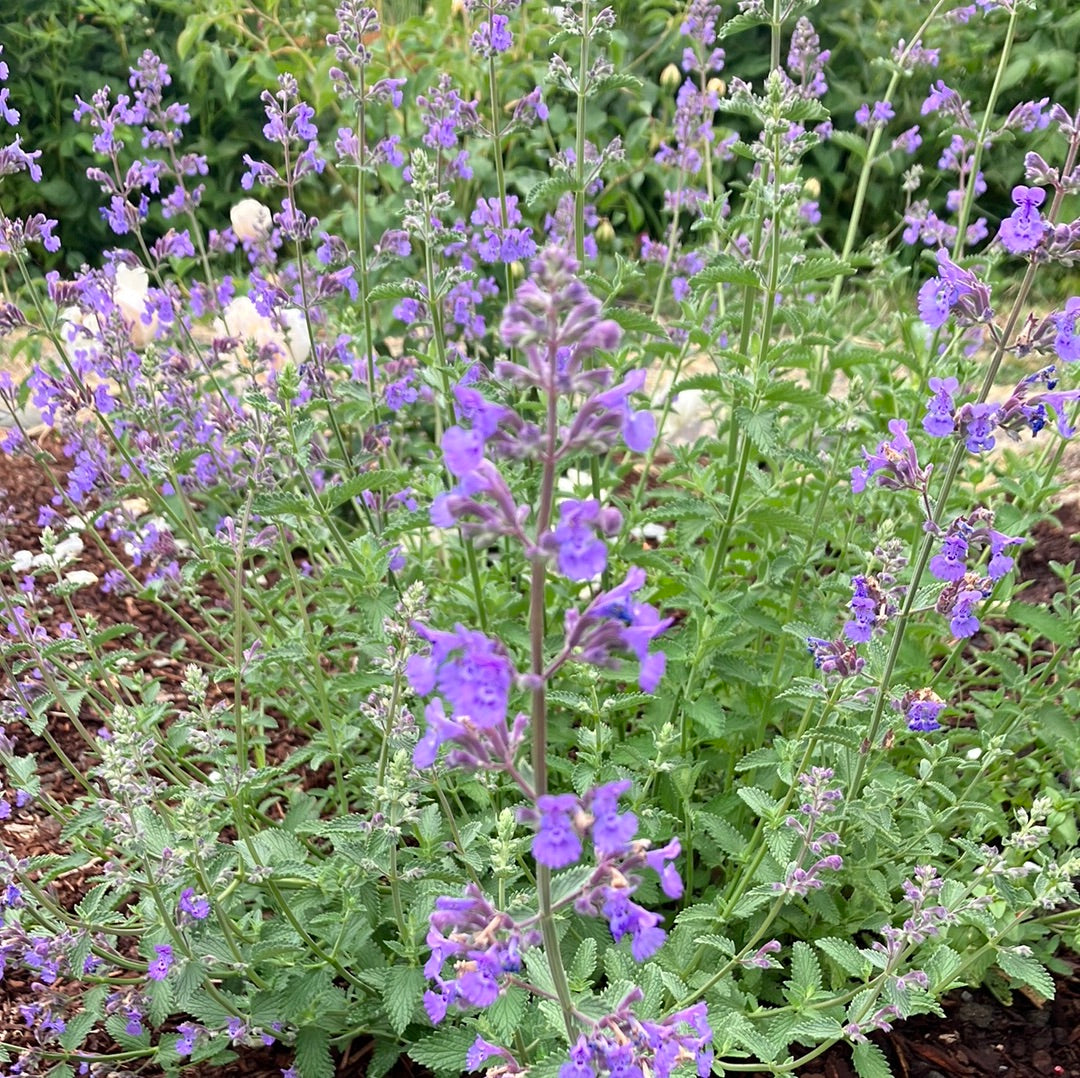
[{"x": 224, "y": 53}]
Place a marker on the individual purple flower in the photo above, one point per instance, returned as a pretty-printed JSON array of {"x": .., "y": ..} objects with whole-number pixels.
[
  {"x": 893, "y": 464},
  {"x": 921, "y": 709},
  {"x": 938, "y": 421},
  {"x": 197, "y": 907},
  {"x": 1067, "y": 339},
  {"x": 835, "y": 657},
  {"x": 1024, "y": 228},
  {"x": 580, "y": 1062},
  {"x": 957, "y": 601},
  {"x": 463, "y": 450},
  {"x": 626, "y": 918},
  {"x": 492, "y": 36},
  {"x": 612, "y": 831},
  {"x": 481, "y": 1051},
  {"x": 557, "y": 843},
  {"x": 950, "y": 564},
  {"x": 469, "y": 670},
  {"x": 908, "y": 141},
  {"x": 158, "y": 969},
  {"x": 877, "y": 116},
  {"x": 661, "y": 861},
  {"x": 867, "y": 603},
  {"x": 581, "y": 554},
  {"x": 977, "y": 422},
  {"x": 189, "y": 1035},
  {"x": 955, "y": 290}
]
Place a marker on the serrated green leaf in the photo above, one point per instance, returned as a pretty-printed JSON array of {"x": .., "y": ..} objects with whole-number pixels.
[
  {"x": 506, "y": 1013},
  {"x": 584, "y": 964},
  {"x": 758, "y": 800},
  {"x": 805, "y": 970},
  {"x": 727, "y": 269},
  {"x": 312, "y": 1057},
  {"x": 844, "y": 953},
  {"x": 547, "y": 191},
  {"x": 1027, "y": 970},
  {"x": 443, "y": 1051},
  {"x": 821, "y": 268},
  {"x": 403, "y": 988},
  {"x": 635, "y": 321},
  {"x": 404, "y": 289},
  {"x": 870, "y": 1061}
]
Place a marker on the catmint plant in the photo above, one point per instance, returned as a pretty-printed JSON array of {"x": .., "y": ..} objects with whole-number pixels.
[{"x": 524, "y": 590}]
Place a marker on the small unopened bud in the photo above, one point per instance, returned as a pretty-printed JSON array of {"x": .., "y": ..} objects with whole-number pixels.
[
  {"x": 812, "y": 187},
  {"x": 604, "y": 232},
  {"x": 671, "y": 77},
  {"x": 716, "y": 86},
  {"x": 517, "y": 270}
]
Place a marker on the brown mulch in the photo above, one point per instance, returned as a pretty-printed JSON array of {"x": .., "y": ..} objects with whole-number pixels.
[{"x": 978, "y": 1037}]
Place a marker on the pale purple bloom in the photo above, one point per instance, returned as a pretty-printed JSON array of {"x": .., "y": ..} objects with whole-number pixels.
[
  {"x": 557, "y": 843},
  {"x": 612, "y": 831},
  {"x": 938, "y": 420},
  {"x": 1024, "y": 228},
  {"x": 1067, "y": 339},
  {"x": 158, "y": 969}
]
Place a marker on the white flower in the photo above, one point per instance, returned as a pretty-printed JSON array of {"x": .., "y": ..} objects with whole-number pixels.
[
  {"x": 251, "y": 220},
  {"x": 241, "y": 319},
  {"x": 22, "y": 561},
  {"x": 81, "y": 578},
  {"x": 130, "y": 289}
]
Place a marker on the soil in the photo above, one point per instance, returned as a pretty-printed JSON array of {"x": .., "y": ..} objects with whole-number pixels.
[{"x": 979, "y": 1036}]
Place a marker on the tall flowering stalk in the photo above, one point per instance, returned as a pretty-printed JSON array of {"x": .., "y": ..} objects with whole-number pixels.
[{"x": 555, "y": 325}]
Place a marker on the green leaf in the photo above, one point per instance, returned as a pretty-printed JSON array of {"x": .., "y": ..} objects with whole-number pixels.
[
  {"x": 758, "y": 800},
  {"x": 1027, "y": 970},
  {"x": 584, "y": 964},
  {"x": 727, "y": 269},
  {"x": 805, "y": 972},
  {"x": 547, "y": 191},
  {"x": 870, "y": 1061},
  {"x": 821, "y": 268},
  {"x": 403, "y": 989},
  {"x": 506, "y": 1013},
  {"x": 844, "y": 953},
  {"x": 312, "y": 1058},
  {"x": 634, "y": 321},
  {"x": 443, "y": 1051}
]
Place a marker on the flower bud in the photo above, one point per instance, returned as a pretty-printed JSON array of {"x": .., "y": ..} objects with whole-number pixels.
[
  {"x": 716, "y": 86},
  {"x": 812, "y": 187},
  {"x": 604, "y": 232},
  {"x": 671, "y": 77}
]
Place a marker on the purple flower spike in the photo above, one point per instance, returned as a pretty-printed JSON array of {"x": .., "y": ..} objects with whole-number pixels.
[{"x": 557, "y": 843}]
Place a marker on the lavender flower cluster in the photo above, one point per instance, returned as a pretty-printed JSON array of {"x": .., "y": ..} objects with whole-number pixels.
[{"x": 555, "y": 324}]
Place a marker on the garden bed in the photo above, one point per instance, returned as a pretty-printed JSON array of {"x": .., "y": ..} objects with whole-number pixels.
[{"x": 979, "y": 1036}]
